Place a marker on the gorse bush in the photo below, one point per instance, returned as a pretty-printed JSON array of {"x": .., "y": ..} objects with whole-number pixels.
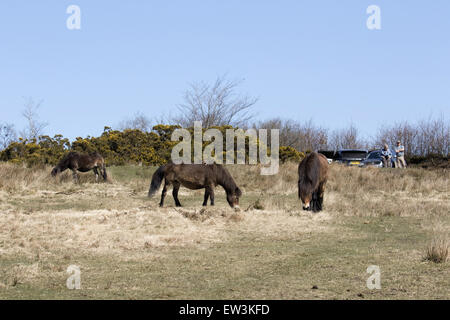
[
  {"x": 117, "y": 147},
  {"x": 32, "y": 152},
  {"x": 290, "y": 154},
  {"x": 130, "y": 146}
]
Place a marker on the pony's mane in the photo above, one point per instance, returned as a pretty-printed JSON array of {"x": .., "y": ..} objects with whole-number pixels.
[
  {"x": 63, "y": 162},
  {"x": 309, "y": 173},
  {"x": 224, "y": 178},
  {"x": 72, "y": 154}
]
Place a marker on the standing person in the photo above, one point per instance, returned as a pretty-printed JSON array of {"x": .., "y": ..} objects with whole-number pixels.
[
  {"x": 386, "y": 155},
  {"x": 400, "y": 154}
]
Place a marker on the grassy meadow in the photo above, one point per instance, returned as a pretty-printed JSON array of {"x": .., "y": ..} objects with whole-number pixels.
[{"x": 128, "y": 248}]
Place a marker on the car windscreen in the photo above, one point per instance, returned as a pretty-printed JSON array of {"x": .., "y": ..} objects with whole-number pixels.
[
  {"x": 374, "y": 155},
  {"x": 328, "y": 154},
  {"x": 353, "y": 154}
]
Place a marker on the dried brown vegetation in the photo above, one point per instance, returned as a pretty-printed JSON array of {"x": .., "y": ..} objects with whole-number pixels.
[
  {"x": 129, "y": 247},
  {"x": 438, "y": 249}
]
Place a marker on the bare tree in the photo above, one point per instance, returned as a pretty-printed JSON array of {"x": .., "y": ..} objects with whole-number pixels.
[
  {"x": 215, "y": 104},
  {"x": 34, "y": 127},
  {"x": 433, "y": 136},
  {"x": 346, "y": 138},
  {"x": 139, "y": 122},
  {"x": 402, "y": 131},
  {"x": 313, "y": 138},
  {"x": 427, "y": 136},
  {"x": 289, "y": 130},
  {"x": 7, "y": 135},
  {"x": 301, "y": 136}
]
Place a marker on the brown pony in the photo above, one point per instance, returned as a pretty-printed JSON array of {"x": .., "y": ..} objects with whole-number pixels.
[
  {"x": 83, "y": 163},
  {"x": 312, "y": 177},
  {"x": 195, "y": 176}
]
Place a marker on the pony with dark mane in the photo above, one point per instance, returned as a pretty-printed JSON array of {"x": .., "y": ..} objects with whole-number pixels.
[
  {"x": 81, "y": 162},
  {"x": 195, "y": 176},
  {"x": 312, "y": 177}
]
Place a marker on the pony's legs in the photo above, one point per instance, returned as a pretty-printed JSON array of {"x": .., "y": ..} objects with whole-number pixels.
[
  {"x": 205, "y": 200},
  {"x": 176, "y": 188},
  {"x": 315, "y": 201},
  {"x": 163, "y": 194},
  {"x": 103, "y": 172},
  {"x": 211, "y": 195},
  {"x": 319, "y": 202},
  {"x": 75, "y": 175},
  {"x": 321, "y": 194},
  {"x": 317, "y": 198},
  {"x": 96, "y": 174}
]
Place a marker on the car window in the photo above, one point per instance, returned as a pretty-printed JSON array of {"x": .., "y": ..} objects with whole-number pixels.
[
  {"x": 353, "y": 154},
  {"x": 328, "y": 154},
  {"x": 374, "y": 155}
]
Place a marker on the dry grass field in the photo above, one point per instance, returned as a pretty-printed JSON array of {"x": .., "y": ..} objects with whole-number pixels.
[{"x": 128, "y": 248}]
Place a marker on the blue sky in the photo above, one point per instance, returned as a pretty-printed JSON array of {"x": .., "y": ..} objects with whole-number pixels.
[{"x": 303, "y": 59}]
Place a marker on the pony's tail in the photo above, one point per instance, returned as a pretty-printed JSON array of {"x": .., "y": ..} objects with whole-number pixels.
[
  {"x": 105, "y": 175},
  {"x": 157, "y": 178}
]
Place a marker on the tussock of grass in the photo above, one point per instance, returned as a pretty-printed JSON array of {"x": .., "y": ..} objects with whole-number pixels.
[{"x": 437, "y": 250}]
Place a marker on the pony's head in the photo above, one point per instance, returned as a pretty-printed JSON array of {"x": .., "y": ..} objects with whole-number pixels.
[
  {"x": 55, "y": 171},
  {"x": 226, "y": 181},
  {"x": 233, "y": 197},
  {"x": 305, "y": 193}
]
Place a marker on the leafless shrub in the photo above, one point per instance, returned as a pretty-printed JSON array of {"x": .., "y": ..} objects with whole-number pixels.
[
  {"x": 346, "y": 138},
  {"x": 7, "y": 134},
  {"x": 139, "y": 121},
  {"x": 215, "y": 104},
  {"x": 430, "y": 136},
  {"x": 302, "y": 136},
  {"x": 433, "y": 136},
  {"x": 34, "y": 128}
]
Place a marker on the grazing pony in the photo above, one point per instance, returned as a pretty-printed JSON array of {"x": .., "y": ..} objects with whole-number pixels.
[
  {"x": 195, "y": 176},
  {"x": 312, "y": 177},
  {"x": 83, "y": 163}
]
